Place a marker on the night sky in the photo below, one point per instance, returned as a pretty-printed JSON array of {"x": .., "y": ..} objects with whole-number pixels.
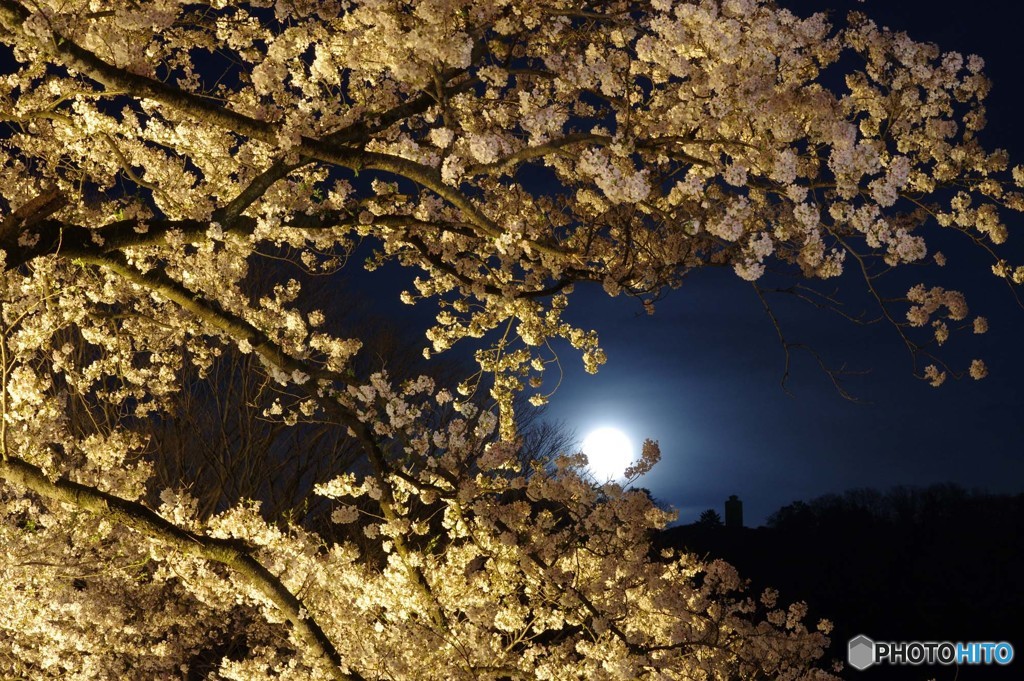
[{"x": 702, "y": 376}]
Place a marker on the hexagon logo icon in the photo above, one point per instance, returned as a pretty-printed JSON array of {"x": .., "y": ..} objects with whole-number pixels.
[{"x": 861, "y": 652}]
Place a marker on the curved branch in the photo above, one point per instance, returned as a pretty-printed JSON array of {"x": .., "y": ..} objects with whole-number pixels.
[
  {"x": 232, "y": 553},
  {"x": 56, "y": 237},
  {"x": 239, "y": 329},
  {"x": 232, "y": 325},
  {"x": 356, "y": 133},
  {"x": 72, "y": 55},
  {"x": 834, "y": 375},
  {"x": 443, "y": 266},
  {"x": 541, "y": 150}
]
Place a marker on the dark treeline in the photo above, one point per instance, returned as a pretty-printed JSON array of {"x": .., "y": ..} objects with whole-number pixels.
[{"x": 936, "y": 563}]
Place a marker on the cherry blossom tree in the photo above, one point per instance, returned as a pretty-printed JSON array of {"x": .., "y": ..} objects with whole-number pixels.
[{"x": 156, "y": 153}]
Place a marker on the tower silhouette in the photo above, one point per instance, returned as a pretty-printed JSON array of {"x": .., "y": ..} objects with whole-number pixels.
[{"x": 733, "y": 512}]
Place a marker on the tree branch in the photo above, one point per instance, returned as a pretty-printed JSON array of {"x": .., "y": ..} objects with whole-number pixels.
[
  {"x": 356, "y": 133},
  {"x": 239, "y": 329},
  {"x": 230, "y": 324},
  {"x": 58, "y": 237},
  {"x": 232, "y": 553},
  {"x": 72, "y": 55}
]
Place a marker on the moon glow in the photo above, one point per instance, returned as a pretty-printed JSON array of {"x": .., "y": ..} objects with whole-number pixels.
[{"x": 609, "y": 452}]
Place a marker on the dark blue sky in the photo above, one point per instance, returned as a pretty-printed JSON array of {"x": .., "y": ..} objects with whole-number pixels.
[{"x": 702, "y": 375}]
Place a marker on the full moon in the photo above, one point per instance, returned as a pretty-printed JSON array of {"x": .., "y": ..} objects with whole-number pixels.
[{"x": 609, "y": 452}]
